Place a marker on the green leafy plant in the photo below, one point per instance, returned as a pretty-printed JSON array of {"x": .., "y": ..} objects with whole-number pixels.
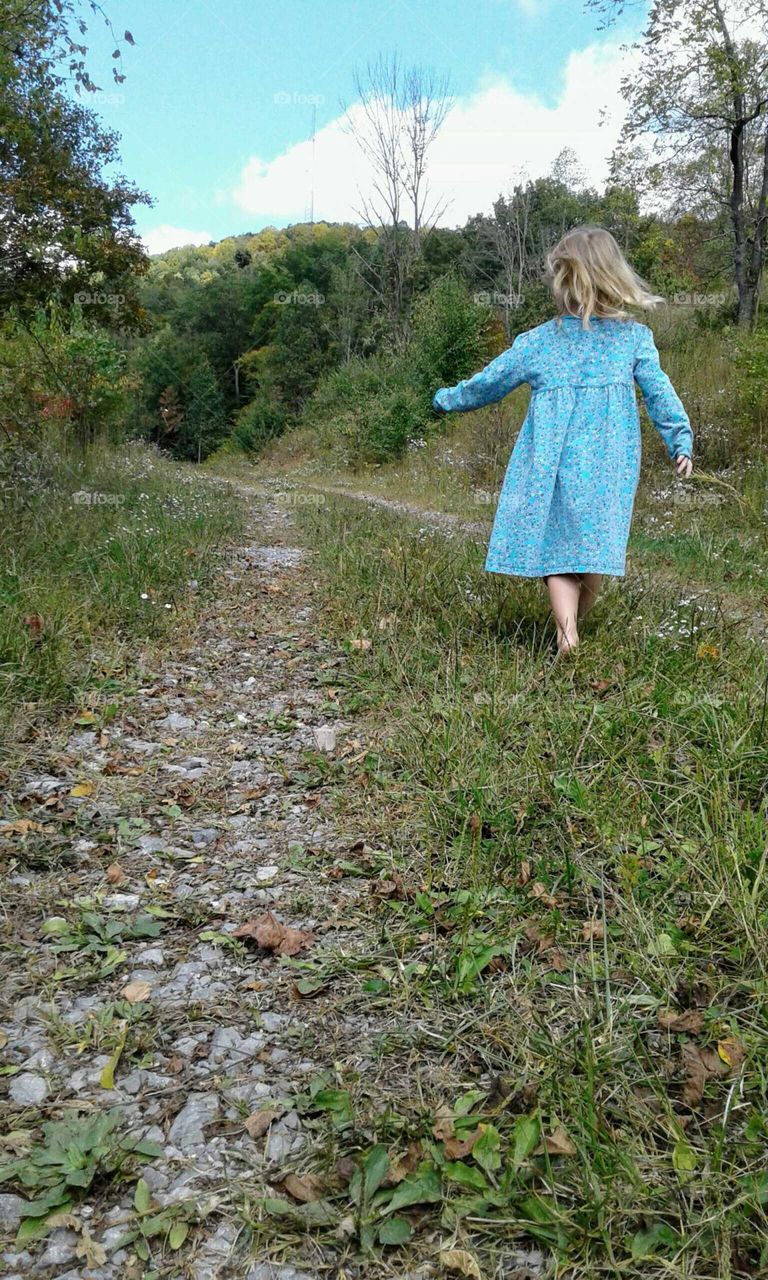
[
  {"x": 170, "y": 1224},
  {"x": 98, "y": 937},
  {"x": 61, "y": 1168}
]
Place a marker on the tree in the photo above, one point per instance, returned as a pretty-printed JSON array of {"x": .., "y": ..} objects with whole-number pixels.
[
  {"x": 65, "y": 228},
  {"x": 698, "y": 106},
  {"x": 398, "y": 116},
  {"x": 205, "y": 420}
]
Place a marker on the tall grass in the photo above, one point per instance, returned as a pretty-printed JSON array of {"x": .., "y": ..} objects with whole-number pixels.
[
  {"x": 97, "y": 552},
  {"x": 583, "y": 919}
]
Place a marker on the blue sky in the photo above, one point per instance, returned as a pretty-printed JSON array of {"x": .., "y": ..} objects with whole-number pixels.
[{"x": 216, "y": 109}]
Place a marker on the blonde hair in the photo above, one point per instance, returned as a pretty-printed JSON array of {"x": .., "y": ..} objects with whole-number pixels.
[{"x": 589, "y": 276}]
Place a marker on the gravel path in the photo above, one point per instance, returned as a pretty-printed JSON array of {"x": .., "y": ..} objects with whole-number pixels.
[{"x": 196, "y": 808}]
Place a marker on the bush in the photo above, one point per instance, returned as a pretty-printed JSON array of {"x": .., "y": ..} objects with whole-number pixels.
[
  {"x": 257, "y": 424},
  {"x": 370, "y": 410},
  {"x": 451, "y": 335},
  {"x": 367, "y": 410},
  {"x": 61, "y": 379}
]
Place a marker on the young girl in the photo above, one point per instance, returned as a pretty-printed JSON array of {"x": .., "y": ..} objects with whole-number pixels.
[{"x": 566, "y": 503}]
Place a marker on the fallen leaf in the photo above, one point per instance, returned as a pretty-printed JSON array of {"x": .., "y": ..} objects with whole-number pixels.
[
  {"x": 20, "y": 828},
  {"x": 258, "y": 1123},
  {"x": 115, "y": 873},
  {"x": 271, "y": 935},
  {"x": 83, "y": 789},
  {"x": 306, "y": 1188},
  {"x": 593, "y": 931},
  {"x": 362, "y": 643},
  {"x": 732, "y": 1052},
  {"x": 458, "y": 1148},
  {"x": 556, "y": 1143},
  {"x": 94, "y": 1254},
  {"x": 460, "y": 1260},
  {"x": 406, "y": 1164},
  {"x": 523, "y": 875},
  {"x": 541, "y": 892},
  {"x": 691, "y": 1020},
  {"x": 699, "y": 1066},
  {"x": 135, "y": 992},
  {"x": 443, "y": 1127}
]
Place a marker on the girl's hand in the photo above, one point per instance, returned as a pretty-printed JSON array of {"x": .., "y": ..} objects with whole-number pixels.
[{"x": 683, "y": 466}]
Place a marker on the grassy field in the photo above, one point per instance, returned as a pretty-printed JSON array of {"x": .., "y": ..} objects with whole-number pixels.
[
  {"x": 571, "y": 949},
  {"x": 582, "y": 904},
  {"x": 97, "y": 554}
]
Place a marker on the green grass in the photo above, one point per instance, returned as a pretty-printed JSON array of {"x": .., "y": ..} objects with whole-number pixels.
[
  {"x": 97, "y": 554},
  {"x": 579, "y": 926}
]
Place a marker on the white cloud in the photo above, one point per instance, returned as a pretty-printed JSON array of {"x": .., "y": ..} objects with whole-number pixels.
[
  {"x": 485, "y": 142},
  {"x": 168, "y": 237}
]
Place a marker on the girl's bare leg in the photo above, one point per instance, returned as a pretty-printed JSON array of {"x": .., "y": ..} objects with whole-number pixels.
[
  {"x": 564, "y": 591},
  {"x": 590, "y": 590}
]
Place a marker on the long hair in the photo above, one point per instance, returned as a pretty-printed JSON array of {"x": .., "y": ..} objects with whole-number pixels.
[{"x": 589, "y": 276}]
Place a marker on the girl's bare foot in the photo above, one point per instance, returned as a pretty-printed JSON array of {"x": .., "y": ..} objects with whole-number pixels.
[{"x": 567, "y": 645}]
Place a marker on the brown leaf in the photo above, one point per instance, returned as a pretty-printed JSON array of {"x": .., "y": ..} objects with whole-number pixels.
[
  {"x": 306, "y": 1188},
  {"x": 136, "y": 992},
  {"x": 691, "y": 1020},
  {"x": 20, "y": 827},
  {"x": 556, "y": 1143},
  {"x": 732, "y": 1052},
  {"x": 593, "y": 931},
  {"x": 115, "y": 873},
  {"x": 443, "y": 1126},
  {"x": 458, "y": 1148},
  {"x": 600, "y": 686},
  {"x": 541, "y": 892},
  {"x": 699, "y": 1066},
  {"x": 391, "y": 887},
  {"x": 175, "y": 1064},
  {"x": 399, "y": 1169},
  {"x": 345, "y": 1168},
  {"x": 271, "y": 935},
  {"x": 259, "y": 1121},
  {"x": 460, "y": 1260},
  {"x": 523, "y": 875}
]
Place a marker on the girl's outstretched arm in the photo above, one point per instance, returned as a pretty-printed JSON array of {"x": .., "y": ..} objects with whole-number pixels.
[
  {"x": 492, "y": 383},
  {"x": 665, "y": 408}
]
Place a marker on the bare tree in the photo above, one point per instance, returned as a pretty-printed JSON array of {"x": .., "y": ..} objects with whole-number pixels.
[
  {"x": 702, "y": 97},
  {"x": 396, "y": 118}
]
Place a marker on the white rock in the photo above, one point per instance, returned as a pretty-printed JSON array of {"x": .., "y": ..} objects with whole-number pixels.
[
  {"x": 175, "y": 722},
  {"x": 11, "y": 1211},
  {"x": 28, "y": 1089},
  {"x": 187, "y": 1129},
  {"x": 267, "y": 873}
]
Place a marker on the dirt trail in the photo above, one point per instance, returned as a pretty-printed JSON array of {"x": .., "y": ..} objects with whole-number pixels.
[{"x": 205, "y": 799}]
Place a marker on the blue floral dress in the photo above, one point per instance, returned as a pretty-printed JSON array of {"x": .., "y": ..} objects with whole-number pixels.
[{"x": 569, "y": 489}]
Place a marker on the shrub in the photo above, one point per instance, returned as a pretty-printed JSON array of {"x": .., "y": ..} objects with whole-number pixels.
[
  {"x": 450, "y": 335},
  {"x": 257, "y": 424}
]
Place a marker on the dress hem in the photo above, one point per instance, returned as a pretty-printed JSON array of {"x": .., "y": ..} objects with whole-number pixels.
[{"x": 559, "y": 569}]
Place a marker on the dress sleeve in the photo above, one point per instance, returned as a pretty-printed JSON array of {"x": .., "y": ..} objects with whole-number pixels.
[
  {"x": 665, "y": 408},
  {"x": 488, "y": 386}
]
